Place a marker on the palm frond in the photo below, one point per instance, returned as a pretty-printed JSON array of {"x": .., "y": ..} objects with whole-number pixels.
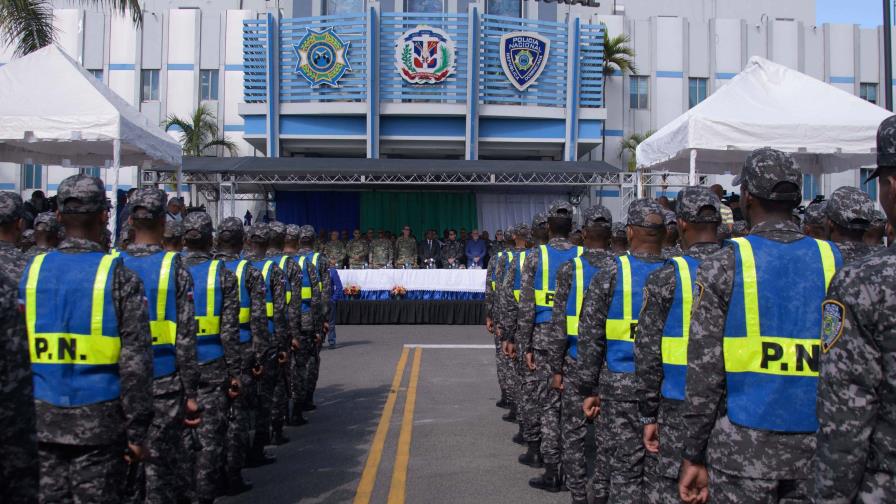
[
  {"x": 122, "y": 7},
  {"x": 26, "y": 24},
  {"x": 619, "y": 54},
  {"x": 222, "y": 142},
  {"x": 200, "y": 132}
]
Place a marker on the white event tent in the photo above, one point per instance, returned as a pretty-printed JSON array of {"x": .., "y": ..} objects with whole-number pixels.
[
  {"x": 767, "y": 105},
  {"x": 52, "y": 111}
]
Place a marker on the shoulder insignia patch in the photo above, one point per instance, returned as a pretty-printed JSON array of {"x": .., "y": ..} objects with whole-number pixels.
[{"x": 833, "y": 314}]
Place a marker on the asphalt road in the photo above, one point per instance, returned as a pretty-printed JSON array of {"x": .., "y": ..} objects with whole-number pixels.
[{"x": 444, "y": 442}]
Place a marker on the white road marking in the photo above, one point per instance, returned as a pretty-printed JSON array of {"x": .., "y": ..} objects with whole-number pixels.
[{"x": 412, "y": 345}]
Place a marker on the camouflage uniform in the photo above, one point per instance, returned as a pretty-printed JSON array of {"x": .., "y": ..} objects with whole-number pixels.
[
  {"x": 381, "y": 254},
  {"x": 80, "y": 448},
  {"x": 357, "y": 250},
  {"x": 675, "y": 249},
  {"x": 745, "y": 464},
  {"x": 406, "y": 252},
  {"x": 620, "y": 450},
  {"x": 18, "y": 442},
  {"x": 255, "y": 353},
  {"x": 174, "y": 231},
  {"x": 814, "y": 217},
  {"x": 214, "y": 375},
  {"x": 569, "y": 413},
  {"x": 857, "y": 434},
  {"x": 12, "y": 260},
  {"x": 661, "y": 470},
  {"x": 307, "y": 363},
  {"x": 44, "y": 222},
  {"x": 169, "y": 392},
  {"x": 852, "y": 209},
  {"x": 493, "y": 276},
  {"x": 335, "y": 252},
  {"x": 452, "y": 250}
]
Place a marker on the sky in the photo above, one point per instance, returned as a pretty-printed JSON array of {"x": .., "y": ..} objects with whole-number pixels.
[{"x": 867, "y": 13}]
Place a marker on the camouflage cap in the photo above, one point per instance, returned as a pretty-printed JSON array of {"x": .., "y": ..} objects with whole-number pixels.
[
  {"x": 276, "y": 229},
  {"x": 27, "y": 237},
  {"x": 522, "y": 230},
  {"x": 740, "y": 227},
  {"x": 814, "y": 214},
  {"x": 10, "y": 206},
  {"x": 306, "y": 231},
  {"x": 560, "y": 208},
  {"x": 230, "y": 226},
  {"x": 260, "y": 232},
  {"x": 46, "y": 221},
  {"x": 292, "y": 231},
  {"x": 539, "y": 219},
  {"x": 148, "y": 203},
  {"x": 645, "y": 213},
  {"x": 510, "y": 231},
  {"x": 619, "y": 230},
  {"x": 764, "y": 169},
  {"x": 850, "y": 208},
  {"x": 669, "y": 218},
  {"x": 173, "y": 229},
  {"x": 81, "y": 194},
  {"x": 197, "y": 225},
  {"x": 879, "y": 219},
  {"x": 595, "y": 214},
  {"x": 692, "y": 200},
  {"x": 886, "y": 146}
]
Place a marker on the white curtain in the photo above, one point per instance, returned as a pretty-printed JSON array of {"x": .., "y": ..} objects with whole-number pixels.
[{"x": 498, "y": 211}]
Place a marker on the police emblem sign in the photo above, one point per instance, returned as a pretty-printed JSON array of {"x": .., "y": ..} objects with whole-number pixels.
[
  {"x": 523, "y": 57},
  {"x": 322, "y": 57},
  {"x": 424, "y": 55}
]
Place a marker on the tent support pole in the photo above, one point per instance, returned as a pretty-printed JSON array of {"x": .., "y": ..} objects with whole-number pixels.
[
  {"x": 180, "y": 179},
  {"x": 639, "y": 185},
  {"x": 233, "y": 199},
  {"x": 116, "y": 166},
  {"x": 692, "y": 173}
]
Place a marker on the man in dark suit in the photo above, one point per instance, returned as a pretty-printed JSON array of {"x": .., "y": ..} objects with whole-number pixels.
[{"x": 429, "y": 249}]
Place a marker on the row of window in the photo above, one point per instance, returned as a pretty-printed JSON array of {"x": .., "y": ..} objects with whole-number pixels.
[
  {"x": 149, "y": 84},
  {"x": 33, "y": 175},
  {"x": 498, "y": 7}
]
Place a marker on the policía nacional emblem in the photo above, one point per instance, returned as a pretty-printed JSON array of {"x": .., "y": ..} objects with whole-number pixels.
[
  {"x": 322, "y": 57},
  {"x": 523, "y": 57},
  {"x": 424, "y": 55}
]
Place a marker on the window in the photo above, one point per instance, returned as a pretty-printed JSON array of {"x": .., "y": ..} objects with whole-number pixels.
[
  {"x": 424, "y": 6},
  {"x": 868, "y": 92},
  {"x": 811, "y": 186},
  {"x": 343, "y": 6},
  {"x": 97, "y": 74},
  {"x": 512, "y": 8},
  {"x": 208, "y": 84},
  {"x": 696, "y": 91},
  {"x": 638, "y": 92},
  {"x": 91, "y": 172},
  {"x": 870, "y": 187},
  {"x": 149, "y": 85},
  {"x": 32, "y": 176}
]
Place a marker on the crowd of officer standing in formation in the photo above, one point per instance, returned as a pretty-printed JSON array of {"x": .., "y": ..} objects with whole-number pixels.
[
  {"x": 155, "y": 371},
  {"x": 716, "y": 363}
]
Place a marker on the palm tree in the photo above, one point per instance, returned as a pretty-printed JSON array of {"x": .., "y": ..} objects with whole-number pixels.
[
  {"x": 28, "y": 24},
  {"x": 199, "y": 132},
  {"x": 618, "y": 54},
  {"x": 629, "y": 145}
]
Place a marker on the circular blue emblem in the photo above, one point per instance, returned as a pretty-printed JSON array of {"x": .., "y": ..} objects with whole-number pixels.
[{"x": 321, "y": 57}]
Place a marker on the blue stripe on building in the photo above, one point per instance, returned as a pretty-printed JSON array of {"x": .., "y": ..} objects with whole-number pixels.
[
  {"x": 180, "y": 66},
  {"x": 492, "y": 127},
  {"x": 725, "y": 75},
  {"x": 121, "y": 66},
  {"x": 843, "y": 80},
  {"x": 665, "y": 74},
  {"x": 422, "y": 126},
  {"x": 234, "y": 68}
]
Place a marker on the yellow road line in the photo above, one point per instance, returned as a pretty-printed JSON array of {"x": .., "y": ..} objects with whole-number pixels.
[
  {"x": 368, "y": 477},
  {"x": 403, "y": 452}
]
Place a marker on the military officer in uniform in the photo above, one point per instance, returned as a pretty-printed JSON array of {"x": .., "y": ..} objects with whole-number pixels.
[
  {"x": 452, "y": 252},
  {"x": 814, "y": 220},
  {"x": 91, "y": 355},
  {"x": 406, "y": 249},
  {"x": 606, "y": 367},
  {"x": 169, "y": 289},
  {"x": 849, "y": 213},
  {"x": 216, "y": 300},
  {"x": 573, "y": 279},
  {"x": 661, "y": 342},
  {"x": 492, "y": 280},
  {"x": 619, "y": 242},
  {"x": 12, "y": 260},
  {"x": 749, "y": 407},
  {"x": 47, "y": 234},
  {"x": 173, "y": 239},
  {"x": 856, "y": 440},
  {"x": 335, "y": 251},
  {"x": 381, "y": 253},
  {"x": 357, "y": 249},
  {"x": 671, "y": 248}
]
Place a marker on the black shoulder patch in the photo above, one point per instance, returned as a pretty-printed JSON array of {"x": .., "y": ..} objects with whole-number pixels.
[{"x": 833, "y": 314}]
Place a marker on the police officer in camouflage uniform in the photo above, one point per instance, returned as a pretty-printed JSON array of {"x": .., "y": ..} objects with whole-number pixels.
[
  {"x": 857, "y": 435},
  {"x": 661, "y": 343},
  {"x": 606, "y": 371},
  {"x": 619, "y": 242},
  {"x": 89, "y": 415},
  {"x": 877, "y": 231},
  {"x": 573, "y": 279},
  {"x": 46, "y": 234},
  {"x": 216, "y": 301},
  {"x": 850, "y": 213},
  {"x": 749, "y": 407},
  {"x": 493, "y": 276},
  {"x": 257, "y": 348},
  {"x": 452, "y": 252},
  {"x": 173, "y": 238},
  {"x": 533, "y": 335},
  {"x": 12, "y": 260},
  {"x": 169, "y": 290},
  {"x": 814, "y": 220},
  {"x": 381, "y": 253},
  {"x": 335, "y": 250},
  {"x": 406, "y": 249},
  {"x": 671, "y": 248},
  {"x": 358, "y": 250},
  {"x": 283, "y": 325}
]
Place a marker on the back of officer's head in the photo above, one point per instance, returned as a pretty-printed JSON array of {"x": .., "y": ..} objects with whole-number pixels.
[
  {"x": 230, "y": 235},
  {"x": 559, "y": 219},
  {"x": 698, "y": 214},
  {"x": 147, "y": 206},
  {"x": 198, "y": 231},
  {"x": 886, "y": 167},
  {"x": 597, "y": 227},
  {"x": 645, "y": 224},
  {"x": 771, "y": 185},
  {"x": 850, "y": 213},
  {"x": 83, "y": 206}
]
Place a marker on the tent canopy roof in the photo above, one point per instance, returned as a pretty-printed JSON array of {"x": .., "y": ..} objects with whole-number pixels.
[
  {"x": 53, "y": 111},
  {"x": 768, "y": 105}
]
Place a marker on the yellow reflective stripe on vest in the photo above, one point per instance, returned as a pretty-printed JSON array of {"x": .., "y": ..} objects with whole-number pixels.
[
  {"x": 745, "y": 354},
  {"x": 283, "y": 267},
  {"x": 675, "y": 349},
  {"x": 268, "y": 305},
  {"x": 94, "y": 348},
  {"x": 617, "y": 329},
  {"x": 210, "y": 324},
  {"x": 244, "y": 312},
  {"x": 541, "y": 296},
  {"x": 306, "y": 291},
  {"x": 828, "y": 263},
  {"x": 572, "y": 322},
  {"x": 164, "y": 332}
]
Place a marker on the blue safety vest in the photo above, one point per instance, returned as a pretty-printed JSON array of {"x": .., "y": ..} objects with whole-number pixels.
[
  {"x": 72, "y": 327},
  {"x": 549, "y": 262},
  {"x": 676, "y": 331},
  {"x": 159, "y": 284},
  {"x": 493, "y": 275},
  {"x": 207, "y": 298},
  {"x": 264, "y": 266},
  {"x": 771, "y": 343},
  {"x": 582, "y": 273},
  {"x": 517, "y": 271},
  {"x": 238, "y": 266},
  {"x": 631, "y": 275},
  {"x": 281, "y": 261},
  {"x": 304, "y": 260}
]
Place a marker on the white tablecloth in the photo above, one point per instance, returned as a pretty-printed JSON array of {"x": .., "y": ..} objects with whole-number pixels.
[{"x": 455, "y": 280}]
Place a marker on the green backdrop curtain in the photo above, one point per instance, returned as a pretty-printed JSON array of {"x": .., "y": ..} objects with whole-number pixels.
[{"x": 390, "y": 210}]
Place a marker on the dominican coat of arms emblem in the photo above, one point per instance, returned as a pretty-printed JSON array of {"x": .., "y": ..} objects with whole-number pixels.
[{"x": 424, "y": 55}]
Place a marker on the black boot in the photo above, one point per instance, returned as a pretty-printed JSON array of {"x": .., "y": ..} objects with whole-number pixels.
[
  {"x": 296, "y": 418},
  {"x": 279, "y": 438},
  {"x": 532, "y": 457},
  {"x": 503, "y": 402},
  {"x": 550, "y": 481},
  {"x": 257, "y": 457},
  {"x": 518, "y": 437},
  {"x": 309, "y": 405},
  {"x": 510, "y": 416},
  {"x": 237, "y": 485}
]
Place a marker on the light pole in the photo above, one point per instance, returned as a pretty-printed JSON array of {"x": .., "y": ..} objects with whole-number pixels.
[{"x": 888, "y": 55}]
